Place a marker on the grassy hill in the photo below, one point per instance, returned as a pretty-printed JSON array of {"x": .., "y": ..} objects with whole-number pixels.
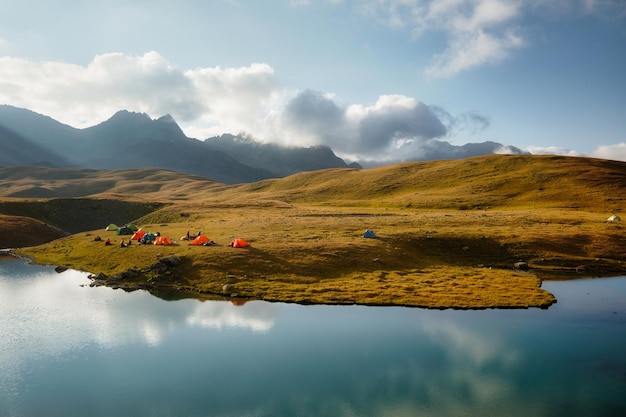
[{"x": 449, "y": 232}]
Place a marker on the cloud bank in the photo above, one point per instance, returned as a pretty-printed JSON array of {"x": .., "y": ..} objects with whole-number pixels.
[{"x": 211, "y": 101}]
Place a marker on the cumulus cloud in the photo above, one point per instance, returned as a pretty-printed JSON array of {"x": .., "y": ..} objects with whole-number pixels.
[
  {"x": 84, "y": 95},
  {"x": 208, "y": 102},
  {"x": 359, "y": 130},
  {"x": 615, "y": 152},
  {"x": 552, "y": 150},
  {"x": 220, "y": 99}
]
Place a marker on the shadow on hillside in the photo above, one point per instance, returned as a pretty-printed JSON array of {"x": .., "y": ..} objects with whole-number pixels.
[
  {"x": 75, "y": 215},
  {"x": 382, "y": 254}
]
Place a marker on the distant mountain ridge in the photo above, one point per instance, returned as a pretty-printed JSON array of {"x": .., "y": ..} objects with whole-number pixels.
[{"x": 134, "y": 140}]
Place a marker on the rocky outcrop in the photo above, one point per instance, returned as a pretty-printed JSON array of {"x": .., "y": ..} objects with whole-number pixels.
[{"x": 156, "y": 275}]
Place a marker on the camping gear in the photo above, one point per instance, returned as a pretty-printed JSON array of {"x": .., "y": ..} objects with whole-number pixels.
[
  {"x": 138, "y": 235},
  {"x": 613, "y": 218},
  {"x": 163, "y": 240},
  {"x": 238, "y": 243},
  {"x": 200, "y": 240},
  {"x": 112, "y": 227},
  {"x": 148, "y": 238},
  {"x": 369, "y": 233},
  {"x": 125, "y": 231}
]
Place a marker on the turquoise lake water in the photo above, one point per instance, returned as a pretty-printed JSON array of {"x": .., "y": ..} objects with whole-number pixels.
[{"x": 70, "y": 350}]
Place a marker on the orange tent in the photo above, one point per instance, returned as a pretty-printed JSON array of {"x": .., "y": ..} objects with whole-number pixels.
[
  {"x": 200, "y": 240},
  {"x": 138, "y": 235},
  {"x": 163, "y": 240},
  {"x": 238, "y": 243}
]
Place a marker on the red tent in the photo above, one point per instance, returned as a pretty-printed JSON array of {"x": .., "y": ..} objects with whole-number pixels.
[
  {"x": 163, "y": 240},
  {"x": 138, "y": 235},
  {"x": 238, "y": 243},
  {"x": 200, "y": 240}
]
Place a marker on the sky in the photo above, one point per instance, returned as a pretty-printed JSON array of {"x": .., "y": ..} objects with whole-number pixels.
[{"x": 376, "y": 80}]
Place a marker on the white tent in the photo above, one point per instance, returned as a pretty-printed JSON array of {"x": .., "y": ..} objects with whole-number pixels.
[{"x": 613, "y": 218}]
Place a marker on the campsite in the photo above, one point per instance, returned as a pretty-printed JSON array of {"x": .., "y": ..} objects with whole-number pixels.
[{"x": 448, "y": 234}]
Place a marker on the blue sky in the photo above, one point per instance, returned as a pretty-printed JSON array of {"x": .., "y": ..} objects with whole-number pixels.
[{"x": 373, "y": 79}]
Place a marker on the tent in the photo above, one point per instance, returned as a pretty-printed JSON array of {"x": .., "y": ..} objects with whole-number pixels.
[
  {"x": 200, "y": 240},
  {"x": 163, "y": 240},
  {"x": 132, "y": 227},
  {"x": 369, "y": 233},
  {"x": 613, "y": 218},
  {"x": 238, "y": 243},
  {"x": 148, "y": 238},
  {"x": 125, "y": 231},
  {"x": 138, "y": 235},
  {"x": 112, "y": 227}
]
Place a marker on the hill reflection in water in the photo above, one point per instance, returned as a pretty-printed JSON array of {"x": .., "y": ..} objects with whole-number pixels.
[{"x": 68, "y": 349}]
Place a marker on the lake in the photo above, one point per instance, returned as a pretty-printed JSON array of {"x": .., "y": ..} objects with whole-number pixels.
[{"x": 70, "y": 350}]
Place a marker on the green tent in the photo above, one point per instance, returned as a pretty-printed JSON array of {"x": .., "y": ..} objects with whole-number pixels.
[
  {"x": 133, "y": 227},
  {"x": 125, "y": 231},
  {"x": 112, "y": 227}
]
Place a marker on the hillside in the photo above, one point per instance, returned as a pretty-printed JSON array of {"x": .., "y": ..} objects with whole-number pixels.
[
  {"x": 485, "y": 182},
  {"x": 133, "y": 140},
  {"x": 20, "y": 231},
  {"x": 148, "y": 184},
  {"x": 450, "y": 232}
]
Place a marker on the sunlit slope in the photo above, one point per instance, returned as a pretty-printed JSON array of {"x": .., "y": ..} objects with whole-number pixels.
[
  {"x": 494, "y": 181},
  {"x": 144, "y": 184}
]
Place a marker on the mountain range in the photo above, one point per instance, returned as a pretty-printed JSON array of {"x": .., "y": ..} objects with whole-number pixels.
[{"x": 134, "y": 140}]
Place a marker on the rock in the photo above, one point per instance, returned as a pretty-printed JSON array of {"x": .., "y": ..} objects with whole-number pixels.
[
  {"x": 521, "y": 266},
  {"x": 171, "y": 260},
  {"x": 60, "y": 269},
  {"x": 101, "y": 276}
]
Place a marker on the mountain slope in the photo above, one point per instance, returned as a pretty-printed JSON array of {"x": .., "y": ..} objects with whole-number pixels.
[
  {"x": 135, "y": 184},
  {"x": 485, "y": 182},
  {"x": 281, "y": 160},
  {"x": 18, "y": 150},
  {"x": 41, "y": 130},
  {"x": 134, "y": 140},
  {"x": 475, "y": 183}
]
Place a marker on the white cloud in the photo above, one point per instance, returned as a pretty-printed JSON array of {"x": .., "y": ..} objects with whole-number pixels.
[
  {"x": 360, "y": 131},
  {"x": 475, "y": 49},
  {"x": 478, "y": 32},
  {"x": 615, "y": 152},
  {"x": 552, "y": 150},
  {"x": 211, "y": 101},
  {"x": 206, "y": 100}
]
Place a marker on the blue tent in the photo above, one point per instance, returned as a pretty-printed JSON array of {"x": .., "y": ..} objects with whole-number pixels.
[
  {"x": 148, "y": 238},
  {"x": 369, "y": 233}
]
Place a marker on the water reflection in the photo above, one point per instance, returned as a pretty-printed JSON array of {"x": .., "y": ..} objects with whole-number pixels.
[{"x": 67, "y": 349}]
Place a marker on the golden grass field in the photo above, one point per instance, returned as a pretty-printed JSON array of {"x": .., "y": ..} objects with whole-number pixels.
[{"x": 449, "y": 231}]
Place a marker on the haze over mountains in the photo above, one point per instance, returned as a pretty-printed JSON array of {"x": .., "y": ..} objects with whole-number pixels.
[{"x": 134, "y": 140}]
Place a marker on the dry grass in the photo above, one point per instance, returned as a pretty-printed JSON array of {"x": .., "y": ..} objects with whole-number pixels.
[{"x": 450, "y": 232}]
